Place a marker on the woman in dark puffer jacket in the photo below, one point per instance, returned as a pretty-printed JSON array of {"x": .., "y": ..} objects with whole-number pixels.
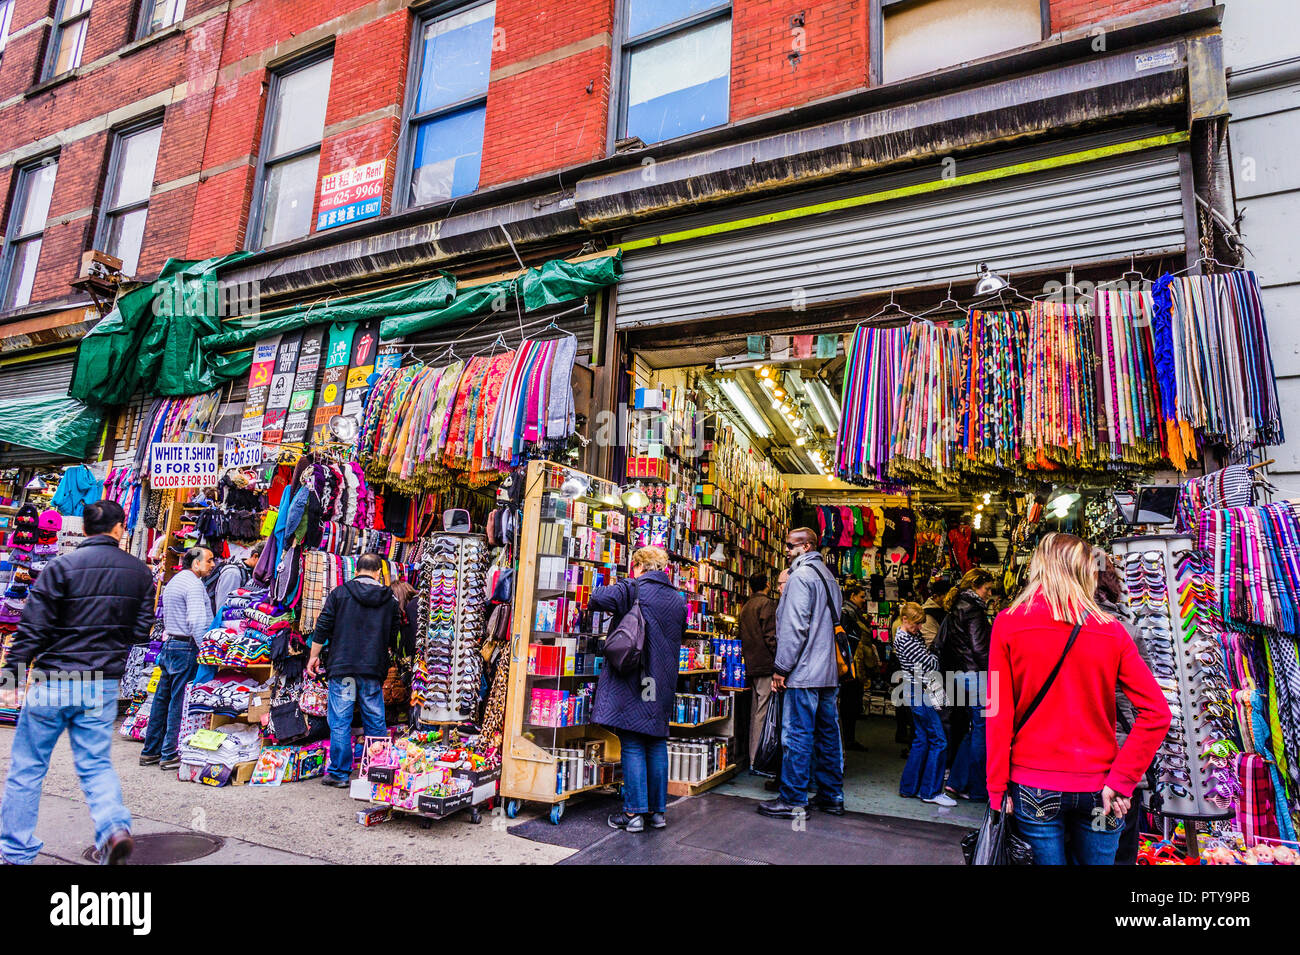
[{"x": 638, "y": 706}]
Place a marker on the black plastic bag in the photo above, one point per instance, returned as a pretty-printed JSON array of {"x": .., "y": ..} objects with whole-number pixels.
[
  {"x": 996, "y": 843},
  {"x": 766, "y": 759}
]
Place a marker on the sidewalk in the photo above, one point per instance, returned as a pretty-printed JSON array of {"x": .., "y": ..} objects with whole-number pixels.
[{"x": 298, "y": 823}]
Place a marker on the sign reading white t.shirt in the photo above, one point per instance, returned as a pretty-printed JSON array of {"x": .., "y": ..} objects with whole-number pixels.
[{"x": 182, "y": 465}]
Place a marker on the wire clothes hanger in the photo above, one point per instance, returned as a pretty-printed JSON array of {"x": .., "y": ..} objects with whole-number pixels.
[
  {"x": 948, "y": 303},
  {"x": 1203, "y": 259},
  {"x": 874, "y": 319},
  {"x": 1132, "y": 270}
]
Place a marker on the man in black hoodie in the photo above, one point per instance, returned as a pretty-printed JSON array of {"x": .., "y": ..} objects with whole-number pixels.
[{"x": 359, "y": 626}]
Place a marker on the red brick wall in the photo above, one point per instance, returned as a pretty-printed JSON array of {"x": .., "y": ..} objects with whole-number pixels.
[
  {"x": 1072, "y": 14},
  {"x": 832, "y": 47},
  {"x": 543, "y": 119},
  {"x": 540, "y": 118}
]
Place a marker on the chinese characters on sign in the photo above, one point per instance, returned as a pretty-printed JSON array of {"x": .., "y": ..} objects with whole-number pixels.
[{"x": 351, "y": 194}]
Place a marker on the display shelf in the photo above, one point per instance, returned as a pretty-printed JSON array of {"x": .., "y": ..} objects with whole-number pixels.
[
  {"x": 677, "y": 788},
  {"x": 538, "y": 758},
  {"x": 711, "y": 720},
  {"x": 696, "y": 672}
]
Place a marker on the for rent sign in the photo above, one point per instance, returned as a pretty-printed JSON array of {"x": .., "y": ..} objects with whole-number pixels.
[
  {"x": 351, "y": 194},
  {"x": 183, "y": 465}
]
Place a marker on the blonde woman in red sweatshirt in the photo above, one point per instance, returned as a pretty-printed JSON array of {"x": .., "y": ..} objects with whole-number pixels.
[{"x": 1057, "y": 766}]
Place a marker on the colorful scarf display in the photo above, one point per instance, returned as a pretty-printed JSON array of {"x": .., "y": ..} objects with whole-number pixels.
[{"x": 1125, "y": 382}]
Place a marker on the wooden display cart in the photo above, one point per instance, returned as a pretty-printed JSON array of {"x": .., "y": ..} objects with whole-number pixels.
[{"x": 531, "y": 770}]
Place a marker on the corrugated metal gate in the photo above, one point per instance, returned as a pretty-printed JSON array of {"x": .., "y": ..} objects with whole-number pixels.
[
  {"x": 23, "y": 379},
  {"x": 1093, "y": 211}
]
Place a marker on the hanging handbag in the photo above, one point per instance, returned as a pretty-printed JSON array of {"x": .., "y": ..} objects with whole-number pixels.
[
  {"x": 314, "y": 700},
  {"x": 625, "y": 645},
  {"x": 394, "y": 689}
]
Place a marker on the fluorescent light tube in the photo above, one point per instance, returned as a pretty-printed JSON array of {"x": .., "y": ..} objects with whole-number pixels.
[{"x": 740, "y": 401}]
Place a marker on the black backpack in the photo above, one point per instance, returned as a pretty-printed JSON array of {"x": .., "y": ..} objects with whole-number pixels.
[
  {"x": 210, "y": 581},
  {"x": 625, "y": 645}
]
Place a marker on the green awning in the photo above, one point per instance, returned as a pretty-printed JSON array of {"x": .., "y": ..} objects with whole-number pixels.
[
  {"x": 549, "y": 284},
  {"x": 167, "y": 338},
  {"x": 52, "y": 422}
]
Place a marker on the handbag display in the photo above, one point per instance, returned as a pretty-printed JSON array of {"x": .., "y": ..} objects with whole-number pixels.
[{"x": 314, "y": 700}]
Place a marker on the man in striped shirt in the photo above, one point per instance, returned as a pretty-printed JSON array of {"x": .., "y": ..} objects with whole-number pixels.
[{"x": 187, "y": 614}]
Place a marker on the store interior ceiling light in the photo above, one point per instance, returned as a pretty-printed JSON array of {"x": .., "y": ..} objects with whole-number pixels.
[
  {"x": 740, "y": 401},
  {"x": 719, "y": 554},
  {"x": 824, "y": 403},
  {"x": 35, "y": 484},
  {"x": 575, "y": 485},
  {"x": 635, "y": 497}
]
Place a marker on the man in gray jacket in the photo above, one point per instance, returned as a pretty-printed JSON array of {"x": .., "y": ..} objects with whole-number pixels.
[{"x": 807, "y": 673}]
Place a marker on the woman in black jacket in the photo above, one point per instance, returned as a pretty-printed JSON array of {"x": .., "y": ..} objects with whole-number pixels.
[
  {"x": 638, "y": 706},
  {"x": 963, "y": 645}
]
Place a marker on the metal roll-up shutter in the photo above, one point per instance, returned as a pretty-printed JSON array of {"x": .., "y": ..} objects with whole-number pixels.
[
  {"x": 29, "y": 378},
  {"x": 1109, "y": 209}
]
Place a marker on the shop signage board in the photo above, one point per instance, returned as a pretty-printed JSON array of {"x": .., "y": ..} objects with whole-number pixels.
[
  {"x": 338, "y": 353},
  {"x": 281, "y": 388},
  {"x": 259, "y": 380},
  {"x": 299, "y": 420},
  {"x": 360, "y": 368},
  {"x": 351, "y": 195},
  {"x": 243, "y": 450},
  {"x": 182, "y": 465}
]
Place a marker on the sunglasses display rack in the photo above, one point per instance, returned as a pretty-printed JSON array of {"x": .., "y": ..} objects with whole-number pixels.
[
  {"x": 572, "y": 539},
  {"x": 454, "y": 609},
  {"x": 1170, "y": 605}
]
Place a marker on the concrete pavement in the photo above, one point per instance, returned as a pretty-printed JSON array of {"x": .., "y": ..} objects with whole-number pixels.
[{"x": 296, "y": 823}]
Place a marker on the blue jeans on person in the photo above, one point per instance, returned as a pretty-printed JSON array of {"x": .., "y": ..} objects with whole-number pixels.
[
  {"x": 923, "y": 771},
  {"x": 1045, "y": 817},
  {"x": 178, "y": 659},
  {"x": 645, "y": 772},
  {"x": 811, "y": 745},
  {"x": 87, "y": 711},
  {"x": 967, "y": 774},
  {"x": 344, "y": 693}
]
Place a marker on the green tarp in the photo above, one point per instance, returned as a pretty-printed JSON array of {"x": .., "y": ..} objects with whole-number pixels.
[
  {"x": 151, "y": 338},
  {"x": 54, "y": 423},
  {"x": 168, "y": 339},
  {"x": 549, "y": 284},
  {"x": 422, "y": 297}
]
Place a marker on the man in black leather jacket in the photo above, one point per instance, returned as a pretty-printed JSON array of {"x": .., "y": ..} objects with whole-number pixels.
[{"x": 82, "y": 615}]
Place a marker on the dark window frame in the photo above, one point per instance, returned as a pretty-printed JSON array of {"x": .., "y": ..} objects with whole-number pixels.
[
  {"x": 56, "y": 37},
  {"x": 411, "y": 119},
  {"x": 257, "y": 212},
  {"x": 876, "y": 32},
  {"x": 625, "y": 46},
  {"x": 147, "y": 8},
  {"x": 108, "y": 212},
  {"x": 17, "y": 209}
]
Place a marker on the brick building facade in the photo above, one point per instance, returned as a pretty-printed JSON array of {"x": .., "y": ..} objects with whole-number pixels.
[{"x": 596, "y": 116}]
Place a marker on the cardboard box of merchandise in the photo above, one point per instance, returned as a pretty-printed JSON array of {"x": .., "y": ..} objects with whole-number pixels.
[
  {"x": 441, "y": 805},
  {"x": 243, "y": 773},
  {"x": 362, "y": 789}
]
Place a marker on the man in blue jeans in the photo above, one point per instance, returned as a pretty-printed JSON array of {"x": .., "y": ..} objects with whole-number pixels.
[
  {"x": 807, "y": 673},
  {"x": 83, "y": 613},
  {"x": 187, "y": 615},
  {"x": 358, "y": 627}
]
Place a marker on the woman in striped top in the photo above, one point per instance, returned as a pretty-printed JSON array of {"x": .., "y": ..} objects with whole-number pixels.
[{"x": 922, "y": 689}]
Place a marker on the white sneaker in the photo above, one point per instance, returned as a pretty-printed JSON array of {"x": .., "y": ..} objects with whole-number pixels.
[{"x": 943, "y": 799}]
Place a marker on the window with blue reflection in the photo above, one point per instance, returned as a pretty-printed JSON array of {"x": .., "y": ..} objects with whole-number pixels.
[
  {"x": 445, "y": 127},
  {"x": 679, "y": 83}
]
